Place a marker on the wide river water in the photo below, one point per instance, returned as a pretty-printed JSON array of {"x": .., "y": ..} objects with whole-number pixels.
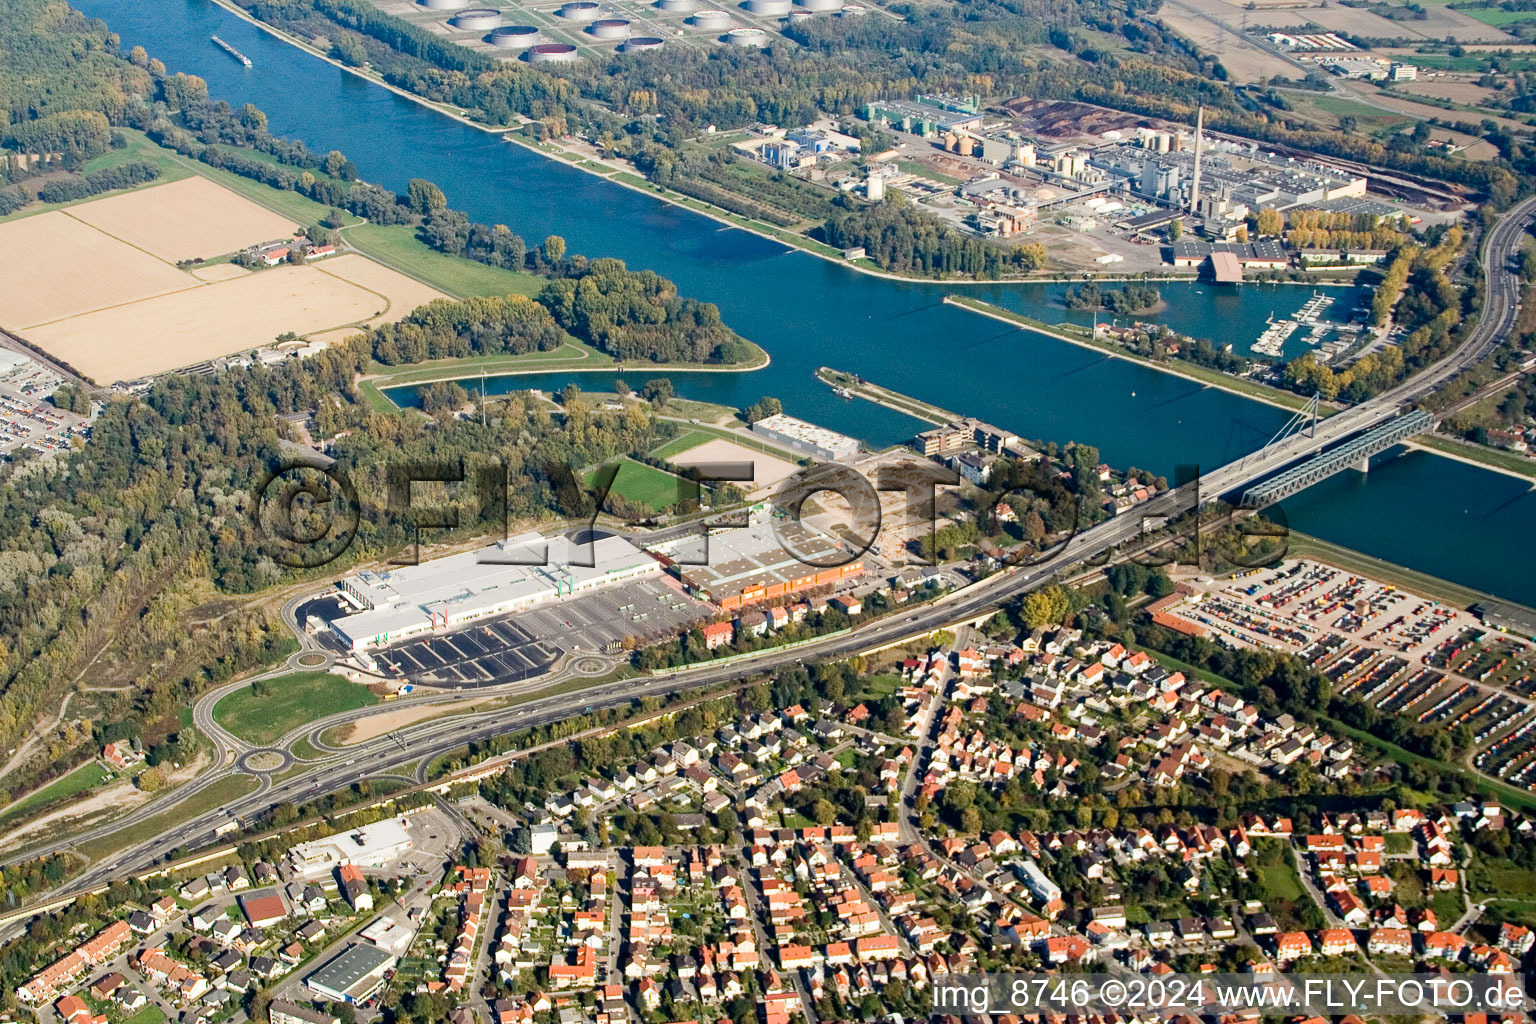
[{"x": 1433, "y": 514}]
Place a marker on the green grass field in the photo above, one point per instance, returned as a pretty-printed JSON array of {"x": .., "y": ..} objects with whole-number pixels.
[
  {"x": 644, "y": 485},
  {"x": 1472, "y": 61},
  {"x": 1281, "y": 883},
  {"x": 151, "y": 1014},
  {"x": 683, "y": 442},
  {"x": 291, "y": 701},
  {"x": 1497, "y": 16},
  {"x": 87, "y": 776},
  {"x": 397, "y": 246}
]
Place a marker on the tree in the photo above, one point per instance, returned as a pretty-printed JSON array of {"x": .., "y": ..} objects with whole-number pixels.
[
  {"x": 763, "y": 408},
  {"x": 970, "y": 820},
  {"x": 554, "y": 249},
  {"x": 1270, "y": 222},
  {"x": 1175, "y": 229},
  {"x": 1045, "y": 607},
  {"x": 423, "y": 197},
  {"x": 658, "y": 391},
  {"x": 823, "y": 812},
  {"x": 349, "y": 51}
]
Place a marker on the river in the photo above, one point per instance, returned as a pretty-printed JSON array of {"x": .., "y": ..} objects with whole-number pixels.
[{"x": 808, "y": 312}]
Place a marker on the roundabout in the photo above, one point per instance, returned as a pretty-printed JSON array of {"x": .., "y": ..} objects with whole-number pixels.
[
  {"x": 264, "y": 761},
  {"x": 312, "y": 659},
  {"x": 589, "y": 666}
]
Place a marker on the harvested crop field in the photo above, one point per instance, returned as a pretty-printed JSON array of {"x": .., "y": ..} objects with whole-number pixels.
[
  {"x": 54, "y": 267},
  {"x": 767, "y": 470},
  {"x": 138, "y": 339},
  {"x": 193, "y": 218},
  {"x": 219, "y": 272},
  {"x": 405, "y": 293},
  {"x": 1469, "y": 93}
]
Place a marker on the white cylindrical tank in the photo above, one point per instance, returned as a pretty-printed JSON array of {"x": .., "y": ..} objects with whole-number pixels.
[
  {"x": 551, "y": 53},
  {"x": 445, "y": 5},
  {"x": 609, "y": 28},
  {"x": 514, "y": 37},
  {"x": 677, "y": 6},
  {"x": 579, "y": 10},
  {"x": 821, "y": 6},
  {"x": 714, "y": 21},
  {"x": 747, "y": 38},
  {"x": 768, "y": 8},
  {"x": 636, "y": 43},
  {"x": 851, "y": 11},
  {"x": 477, "y": 19}
]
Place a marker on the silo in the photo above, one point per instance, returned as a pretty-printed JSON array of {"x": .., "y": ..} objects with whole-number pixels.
[
  {"x": 477, "y": 19},
  {"x": 636, "y": 43},
  {"x": 677, "y": 6},
  {"x": 514, "y": 37},
  {"x": 445, "y": 5},
  {"x": 768, "y": 8},
  {"x": 579, "y": 10},
  {"x": 714, "y": 21},
  {"x": 551, "y": 53},
  {"x": 609, "y": 28},
  {"x": 747, "y": 38},
  {"x": 821, "y": 6}
]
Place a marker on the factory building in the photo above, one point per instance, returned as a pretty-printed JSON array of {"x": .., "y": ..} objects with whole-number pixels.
[
  {"x": 354, "y": 975},
  {"x": 1265, "y": 254},
  {"x": 806, "y": 438},
  {"x": 753, "y": 564},
  {"x": 928, "y": 116},
  {"x": 507, "y": 576}
]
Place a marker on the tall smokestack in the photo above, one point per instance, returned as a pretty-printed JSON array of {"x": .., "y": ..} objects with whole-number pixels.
[{"x": 1194, "y": 188}]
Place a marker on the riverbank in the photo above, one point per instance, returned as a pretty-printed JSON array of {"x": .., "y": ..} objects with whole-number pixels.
[
  {"x": 1084, "y": 338},
  {"x": 859, "y": 388},
  {"x": 1301, "y": 545},
  {"x": 574, "y": 356},
  {"x": 1507, "y": 463}
]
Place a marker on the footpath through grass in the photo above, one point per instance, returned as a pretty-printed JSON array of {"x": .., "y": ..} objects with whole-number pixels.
[{"x": 288, "y": 702}]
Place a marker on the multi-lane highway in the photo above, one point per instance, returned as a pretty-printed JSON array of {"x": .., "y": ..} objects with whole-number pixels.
[{"x": 420, "y": 744}]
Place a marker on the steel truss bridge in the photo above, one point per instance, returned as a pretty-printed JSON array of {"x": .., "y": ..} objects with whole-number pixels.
[{"x": 1357, "y": 452}]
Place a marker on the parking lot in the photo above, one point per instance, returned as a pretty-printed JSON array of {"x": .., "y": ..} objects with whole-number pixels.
[
  {"x": 27, "y": 420},
  {"x": 525, "y": 644}
]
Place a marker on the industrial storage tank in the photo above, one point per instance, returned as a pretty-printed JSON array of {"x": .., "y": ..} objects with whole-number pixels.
[
  {"x": 715, "y": 21},
  {"x": 551, "y": 53},
  {"x": 579, "y": 10},
  {"x": 634, "y": 43},
  {"x": 477, "y": 19},
  {"x": 609, "y": 28},
  {"x": 795, "y": 16},
  {"x": 677, "y": 6},
  {"x": 821, "y": 6},
  {"x": 748, "y": 38},
  {"x": 768, "y": 8},
  {"x": 852, "y": 10},
  {"x": 445, "y": 5},
  {"x": 514, "y": 37}
]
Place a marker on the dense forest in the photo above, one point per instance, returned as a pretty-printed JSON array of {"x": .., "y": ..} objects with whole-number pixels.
[{"x": 1133, "y": 298}]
